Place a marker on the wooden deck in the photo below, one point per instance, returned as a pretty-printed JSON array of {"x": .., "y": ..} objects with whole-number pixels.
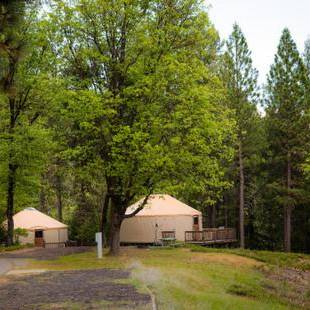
[{"x": 209, "y": 236}]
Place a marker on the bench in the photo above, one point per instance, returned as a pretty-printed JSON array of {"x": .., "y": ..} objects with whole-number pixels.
[{"x": 168, "y": 237}]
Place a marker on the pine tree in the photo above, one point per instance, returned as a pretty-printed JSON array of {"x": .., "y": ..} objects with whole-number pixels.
[
  {"x": 288, "y": 126},
  {"x": 241, "y": 82},
  {"x": 307, "y": 56},
  {"x": 307, "y": 64}
]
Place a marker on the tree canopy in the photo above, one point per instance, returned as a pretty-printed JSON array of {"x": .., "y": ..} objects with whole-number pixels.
[{"x": 104, "y": 102}]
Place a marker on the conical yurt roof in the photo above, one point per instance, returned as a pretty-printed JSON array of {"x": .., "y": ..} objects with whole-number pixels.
[
  {"x": 162, "y": 205},
  {"x": 32, "y": 219}
]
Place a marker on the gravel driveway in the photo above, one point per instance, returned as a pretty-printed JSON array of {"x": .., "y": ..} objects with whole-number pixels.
[
  {"x": 77, "y": 289},
  {"x": 11, "y": 260},
  {"x": 45, "y": 253}
]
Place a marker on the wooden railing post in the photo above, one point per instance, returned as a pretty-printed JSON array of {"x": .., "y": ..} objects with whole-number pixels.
[{"x": 209, "y": 235}]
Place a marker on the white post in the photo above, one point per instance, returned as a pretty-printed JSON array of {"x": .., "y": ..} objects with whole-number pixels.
[{"x": 99, "y": 244}]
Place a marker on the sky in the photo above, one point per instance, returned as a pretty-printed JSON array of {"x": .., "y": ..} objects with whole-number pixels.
[{"x": 262, "y": 22}]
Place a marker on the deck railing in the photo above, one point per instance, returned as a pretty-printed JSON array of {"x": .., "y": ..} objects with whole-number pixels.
[
  {"x": 53, "y": 245},
  {"x": 211, "y": 235},
  {"x": 168, "y": 234}
]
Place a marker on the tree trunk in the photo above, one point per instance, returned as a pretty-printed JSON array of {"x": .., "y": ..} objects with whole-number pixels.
[
  {"x": 115, "y": 241},
  {"x": 241, "y": 197},
  {"x": 11, "y": 177},
  {"x": 287, "y": 228},
  {"x": 116, "y": 218},
  {"x": 288, "y": 209},
  {"x": 115, "y": 229},
  {"x": 11, "y": 13},
  {"x": 59, "y": 197},
  {"x": 10, "y": 204},
  {"x": 226, "y": 216},
  {"x": 208, "y": 217},
  {"x": 213, "y": 218},
  {"x": 42, "y": 200},
  {"x": 104, "y": 219}
]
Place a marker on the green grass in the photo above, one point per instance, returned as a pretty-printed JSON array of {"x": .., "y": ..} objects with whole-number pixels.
[
  {"x": 14, "y": 247},
  {"x": 279, "y": 259},
  {"x": 80, "y": 261},
  {"x": 187, "y": 279}
]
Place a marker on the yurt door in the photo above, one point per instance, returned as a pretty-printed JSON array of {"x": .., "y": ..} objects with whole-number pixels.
[
  {"x": 196, "y": 227},
  {"x": 38, "y": 238},
  {"x": 196, "y": 223}
]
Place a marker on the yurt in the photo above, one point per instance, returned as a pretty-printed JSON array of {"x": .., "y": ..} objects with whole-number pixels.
[
  {"x": 41, "y": 228},
  {"x": 162, "y": 213}
]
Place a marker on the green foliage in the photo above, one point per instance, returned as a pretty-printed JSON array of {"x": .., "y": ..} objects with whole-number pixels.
[
  {"x": 287, "y": 122},
  {"x": 26, "y": 144},
  {"x": 15, "y": 247},
  {"x": 19, "y": 232},
  {"x": 2, "y": 231},
  {"x": 307, "y": 55},
  {"x": 126, "y": 98},
  {"x": 139, "y": 97},
  {"x": 286, "y": 104},
  {"x": 240, "y": 79}
]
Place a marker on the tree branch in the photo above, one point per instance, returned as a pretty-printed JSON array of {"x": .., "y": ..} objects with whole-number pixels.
[{"x": 141, "y": 206}]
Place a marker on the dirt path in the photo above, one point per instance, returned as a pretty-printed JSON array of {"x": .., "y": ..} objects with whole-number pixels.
[
  {"x": 298, "y": 282},
  {"x": 83, "y": 289},
  {"x": 7, "y": 264}
]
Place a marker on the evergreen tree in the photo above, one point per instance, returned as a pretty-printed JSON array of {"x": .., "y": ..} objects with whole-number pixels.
[
  {"x": 288, "y": 128},
  {"x": 240, "y": 78},
  {"x": 307, "y": 56},
  {"x": 24, "y": 93}
]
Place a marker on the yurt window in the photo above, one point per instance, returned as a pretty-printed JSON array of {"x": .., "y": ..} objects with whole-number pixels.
[{"x": 195, "y": 220}]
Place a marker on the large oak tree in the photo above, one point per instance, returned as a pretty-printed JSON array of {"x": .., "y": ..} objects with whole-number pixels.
[{"x": 139, "y": 97}]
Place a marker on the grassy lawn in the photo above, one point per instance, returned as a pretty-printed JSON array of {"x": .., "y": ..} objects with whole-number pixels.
[
  {"x": 14, "y": 247},
  {"x": 184, "y": 278},
  {"x": 279, "y": 259}
]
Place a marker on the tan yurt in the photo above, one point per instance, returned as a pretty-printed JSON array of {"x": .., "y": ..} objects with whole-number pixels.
[
  {"x": 162, "y": 213},
  {"x": 41, "y": 228}
]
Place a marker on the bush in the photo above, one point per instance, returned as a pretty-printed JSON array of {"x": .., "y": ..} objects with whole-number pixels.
[
  {"x": 2, "y": 235},
  {"x": 15, "y": 247},
  {"x": 19, "y": 232},
  {"x": 83, "y": 227},
  {"x": 241, "y": 290}
]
